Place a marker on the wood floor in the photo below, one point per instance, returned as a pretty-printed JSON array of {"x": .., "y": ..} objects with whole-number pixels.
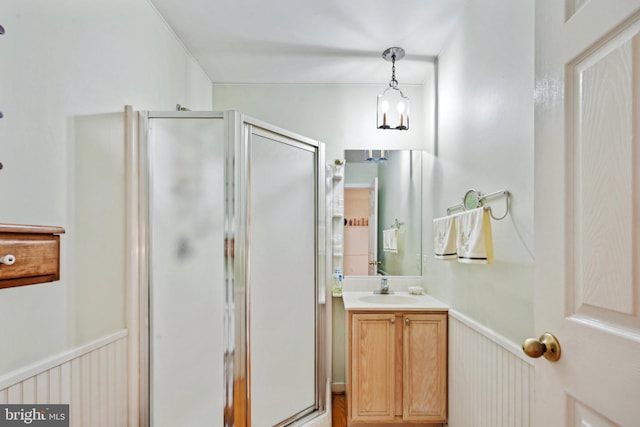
[{"x": 338, "y": 410}]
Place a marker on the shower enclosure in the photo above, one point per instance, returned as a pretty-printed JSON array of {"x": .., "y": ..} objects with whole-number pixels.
[{"x": 231, "y": 214}]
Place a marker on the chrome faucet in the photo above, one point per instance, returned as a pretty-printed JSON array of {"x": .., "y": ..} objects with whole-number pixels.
[{"x": 384, "y": 287}]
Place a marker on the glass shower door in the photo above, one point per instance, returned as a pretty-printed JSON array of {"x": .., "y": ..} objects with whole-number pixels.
[
  {"x": 186, "y": 261},
  {"x": 282, "y": 279}
]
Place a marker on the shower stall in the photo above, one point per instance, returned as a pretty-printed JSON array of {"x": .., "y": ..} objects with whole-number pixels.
[{"x": 232, "y": 271}]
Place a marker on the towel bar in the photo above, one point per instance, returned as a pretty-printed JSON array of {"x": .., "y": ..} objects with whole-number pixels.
[{"x": 473, "y": 199}]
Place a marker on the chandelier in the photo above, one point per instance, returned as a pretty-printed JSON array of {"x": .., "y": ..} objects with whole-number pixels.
[{"x": 393, "y": 106}]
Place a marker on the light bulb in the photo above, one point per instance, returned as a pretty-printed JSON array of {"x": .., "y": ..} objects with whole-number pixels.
[
  {"x": 384, "y": 106},
  {"x": 400, "y": 107}
]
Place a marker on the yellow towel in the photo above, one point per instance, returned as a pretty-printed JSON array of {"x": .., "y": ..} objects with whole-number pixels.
[
  {"x": 444, "y": 238},
  {"x": 473, "y": 237}
]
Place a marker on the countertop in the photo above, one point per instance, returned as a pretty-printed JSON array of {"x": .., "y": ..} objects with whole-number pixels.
[{"x": 356, "y": 300}]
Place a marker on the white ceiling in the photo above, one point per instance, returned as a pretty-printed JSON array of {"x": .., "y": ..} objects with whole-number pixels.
[{"x": 311, "y": 41}]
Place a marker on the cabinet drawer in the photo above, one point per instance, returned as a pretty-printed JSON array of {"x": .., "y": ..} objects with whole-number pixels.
[{"x": 37, "y": 258}]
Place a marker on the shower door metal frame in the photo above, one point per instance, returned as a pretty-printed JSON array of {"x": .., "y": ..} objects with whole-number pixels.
[
  {"x": 243, "y": 127},
  {"x": 237, "y": 140},
  {"x": 250, "y": 127}
]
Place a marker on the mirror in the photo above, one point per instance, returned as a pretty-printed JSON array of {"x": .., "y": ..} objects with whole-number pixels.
[{"x": 383, "y": 212}]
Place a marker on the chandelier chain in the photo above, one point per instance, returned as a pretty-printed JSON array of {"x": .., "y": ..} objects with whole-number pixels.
[{"x": 393, "y": 82}]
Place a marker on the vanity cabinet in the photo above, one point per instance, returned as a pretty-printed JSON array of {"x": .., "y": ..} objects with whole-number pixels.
[{"x": 397, "y": 364}]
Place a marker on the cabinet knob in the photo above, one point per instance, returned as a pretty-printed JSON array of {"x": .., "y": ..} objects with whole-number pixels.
[
  {"x": 407, "y": 321},
  {"x": 8, "y": 259},
  {"x": 392, "y": 320}
]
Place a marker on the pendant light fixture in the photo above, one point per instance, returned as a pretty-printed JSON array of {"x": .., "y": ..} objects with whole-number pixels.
[{"x": 393, "y": 106}]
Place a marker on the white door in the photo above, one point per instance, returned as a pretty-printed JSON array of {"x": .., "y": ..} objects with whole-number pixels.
[
  {"x": 587, "y": 211},
  {"x": 373, "y": 228}
]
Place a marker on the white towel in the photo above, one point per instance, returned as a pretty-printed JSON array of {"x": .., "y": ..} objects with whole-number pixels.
[
  {"x": 444, "y": 238},
  {"x": 390, "y": 240},
  {"x": 473, "y": 231}
]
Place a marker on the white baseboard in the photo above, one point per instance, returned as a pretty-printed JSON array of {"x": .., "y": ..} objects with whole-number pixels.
[{"x": 338, "y": 388}]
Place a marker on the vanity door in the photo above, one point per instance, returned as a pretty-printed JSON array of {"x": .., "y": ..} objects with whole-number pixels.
[
  {"x": 425, "y": 367},
  {"x": 372, "y": 366}
]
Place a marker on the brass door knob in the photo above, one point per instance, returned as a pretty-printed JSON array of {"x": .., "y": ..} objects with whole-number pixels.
[{"x": 547, "y": 345}]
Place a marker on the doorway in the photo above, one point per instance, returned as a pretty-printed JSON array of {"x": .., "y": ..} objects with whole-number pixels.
[{"x": 356, "y": 231}]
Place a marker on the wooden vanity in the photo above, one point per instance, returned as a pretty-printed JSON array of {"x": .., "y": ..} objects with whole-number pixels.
[
  {"x": 29, "y": 254},
  {"x": 397, "y": 365}
]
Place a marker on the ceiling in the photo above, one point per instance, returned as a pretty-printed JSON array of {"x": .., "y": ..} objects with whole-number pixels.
[{"x": 311, "y": 41}]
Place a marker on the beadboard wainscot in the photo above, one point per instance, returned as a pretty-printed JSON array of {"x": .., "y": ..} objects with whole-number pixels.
[
  {"x": 490, "y": 378},
  {"x": 91, "y": 378}
]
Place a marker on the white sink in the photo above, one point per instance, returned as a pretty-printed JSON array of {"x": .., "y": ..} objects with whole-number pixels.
[
  {"x": 388, "y": 299},
  {"x": 401, "y": 300}
]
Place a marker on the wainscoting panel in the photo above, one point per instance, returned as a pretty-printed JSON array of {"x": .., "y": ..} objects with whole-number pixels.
[
  {"x": 490, "y": 379},
  {"x": 92, "y": 379}
]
